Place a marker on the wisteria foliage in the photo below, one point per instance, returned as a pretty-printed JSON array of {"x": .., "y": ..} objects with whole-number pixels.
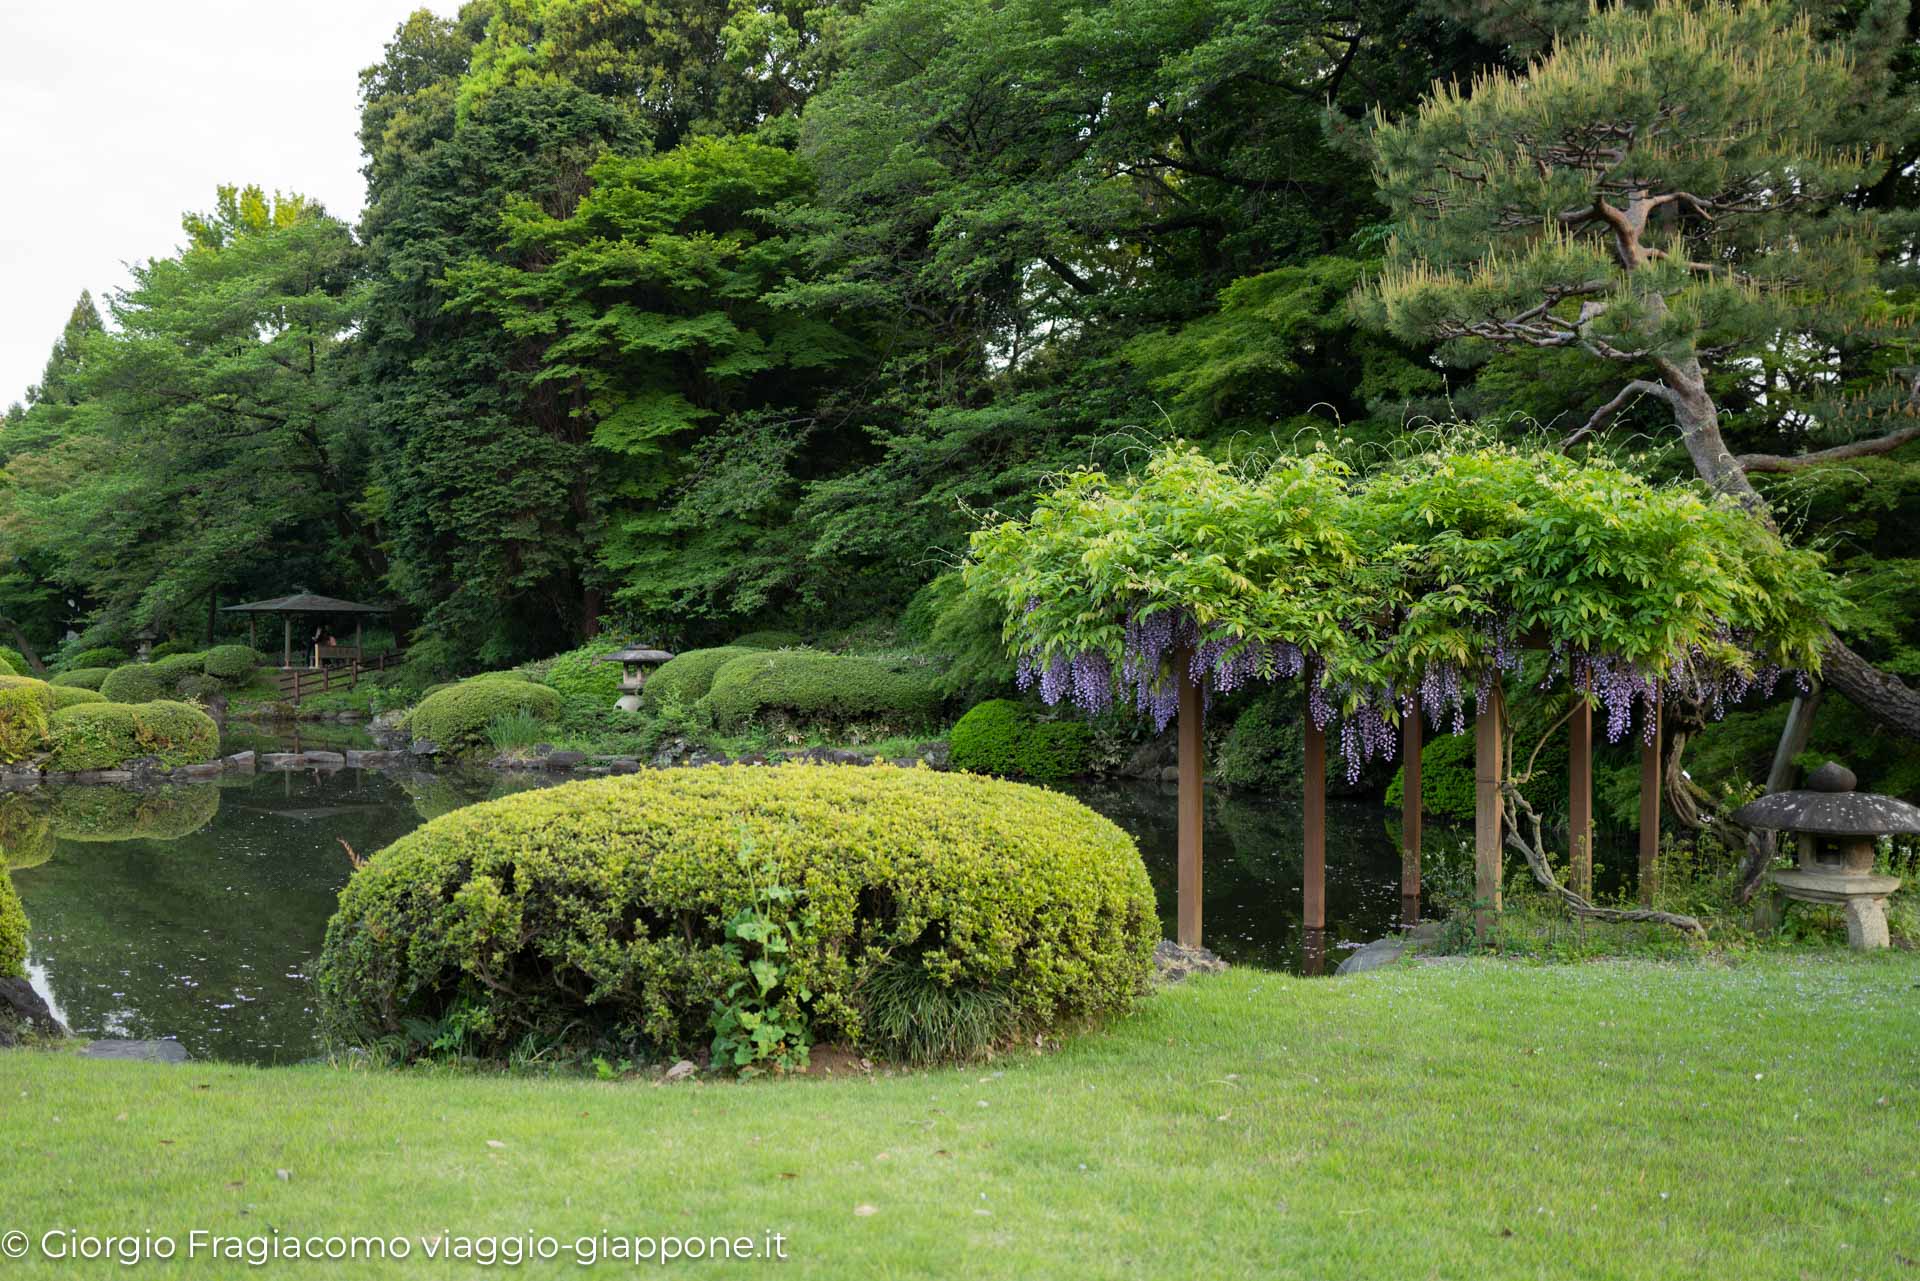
[{"x": 1419, "y": 585}]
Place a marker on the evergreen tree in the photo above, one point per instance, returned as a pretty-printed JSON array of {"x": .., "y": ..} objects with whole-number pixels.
[{"x": 1670, "y": 191}]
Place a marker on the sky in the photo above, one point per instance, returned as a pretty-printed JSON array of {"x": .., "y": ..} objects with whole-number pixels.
[{"x": 118, "y": 116}]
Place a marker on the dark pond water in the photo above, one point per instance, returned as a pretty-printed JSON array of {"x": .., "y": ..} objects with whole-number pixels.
[{"x": 195, "y": 912}]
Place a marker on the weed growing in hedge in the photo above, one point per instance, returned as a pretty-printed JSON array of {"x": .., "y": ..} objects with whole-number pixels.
[{"x": 760, "y": 1024}]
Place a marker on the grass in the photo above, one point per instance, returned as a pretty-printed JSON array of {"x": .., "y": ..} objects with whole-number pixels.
[{"x": 1471, "y": 1120}]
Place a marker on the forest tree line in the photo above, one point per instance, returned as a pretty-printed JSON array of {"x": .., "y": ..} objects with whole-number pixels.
[{"x": 678, "y": 318}]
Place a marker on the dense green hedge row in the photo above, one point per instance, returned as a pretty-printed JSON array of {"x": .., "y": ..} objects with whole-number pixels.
[
  {"x": 594, "y": 912},
  {"x": 1001, "y": 736},
  {"x": 818, "y": 688}
]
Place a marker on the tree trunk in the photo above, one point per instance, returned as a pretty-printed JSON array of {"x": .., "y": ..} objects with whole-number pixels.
[{"x": 1879, "y": 694}]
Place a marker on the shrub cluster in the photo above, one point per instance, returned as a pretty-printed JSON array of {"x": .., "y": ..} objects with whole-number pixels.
[
  {"x": 597, "y": 911},
  {"x": 584, "y": 683},
  {"x": 13, "y": 930},
  {"x": 457, "y": 717},
  {"x": 81, "y": 677},
  {"x": 818, "y": 687},
  {"x": 13, "y": 662},
  {"x": 134, "y": 683},
  {"x": 768, "y": 639},
  {"x": 99, "y": 656},
  {"x": 26, "y": 709},
  {"x": 174, "y": 668},
  {"x": 230, "y": 662},
  {"x": 168, "y": 648},
  {"x": 103, "y": 735},
  {"x": 686, "y": 678},
  {"x": 1001, "y": 736}
]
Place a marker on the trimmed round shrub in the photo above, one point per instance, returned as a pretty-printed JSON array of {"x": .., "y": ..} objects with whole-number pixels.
[
  {"x": 229, "y": 662},
  {"x": 167, "y": 649},
  {"x": 26, "y": 832},
  {"x": 457, "y": 717},
  {"x": 26, "y": 709},
  {"x": 73, "y": 696},
  {"x": 81, "y": 677},
  {"x": 175, "y": 668},
  {"x": 198, "y": 687},
  {"x": 818, "y": 687},
  {"x": 167, "y": 813},
  {"x": 1001, "y": 736},
  {"x": 103, "y": 735},
  {"x": 99, "y": 656},
  {"x": 134, "y": 683},
  {"x": 594, "y": 911},
  {"x": 13, "y": 662},
  {"x": 768, "y": 640},
  {"x": 583, "y": 682},
  {"x": 686, "y": 678},
  {"x": 13, "y": 931}
]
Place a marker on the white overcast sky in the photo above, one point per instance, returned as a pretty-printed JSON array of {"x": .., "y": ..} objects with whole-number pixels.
[{"x": 117, "y": 116}]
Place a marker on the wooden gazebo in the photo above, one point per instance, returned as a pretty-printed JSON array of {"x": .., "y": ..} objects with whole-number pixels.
[{"x": 309, "y": 603}]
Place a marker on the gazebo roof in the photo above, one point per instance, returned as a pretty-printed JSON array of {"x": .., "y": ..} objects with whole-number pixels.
[{"x": 306, "y": 603}]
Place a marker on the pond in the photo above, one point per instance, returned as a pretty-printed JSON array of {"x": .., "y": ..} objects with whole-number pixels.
[{"x": 196, "y": 911}]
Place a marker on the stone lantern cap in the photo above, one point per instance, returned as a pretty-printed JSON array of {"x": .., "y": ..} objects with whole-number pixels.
[
  {"x": 635, "y": 655},
  {"x": 1828, "y": 806}
]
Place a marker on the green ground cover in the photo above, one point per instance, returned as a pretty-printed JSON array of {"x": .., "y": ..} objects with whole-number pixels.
[{"x": 1470, "y": 1120}]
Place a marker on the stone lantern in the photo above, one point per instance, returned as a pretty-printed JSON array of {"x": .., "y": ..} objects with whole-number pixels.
[
  {"x": 143, "y": 642},
  {"x": 1836, "y": 828},
  {"x": 635, "y": 663}
]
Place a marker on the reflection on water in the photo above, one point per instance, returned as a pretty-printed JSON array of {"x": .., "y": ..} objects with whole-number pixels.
[{"x": 196, "y": 911}]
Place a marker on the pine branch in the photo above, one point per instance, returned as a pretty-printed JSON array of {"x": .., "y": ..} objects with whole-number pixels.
[{"x": 1638, "y": 387}]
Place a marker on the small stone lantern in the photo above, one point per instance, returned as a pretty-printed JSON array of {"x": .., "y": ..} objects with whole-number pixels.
[
  {"x": 635, "y": 663},
  {"x": 1836, "y": 828},
  {"x": 143, "y": 642}
]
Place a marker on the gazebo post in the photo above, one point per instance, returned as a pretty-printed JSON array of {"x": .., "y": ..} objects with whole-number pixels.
[
  {"x": 1487, "y": 773},
  {"x": 1650, "y": 805},
  {"x": 286, "y": 658},
  {"x": 359, "y": 624},
  {"x": 1580, "y": 796},
  {"x": 1191, "y": 808},
  {"x": 1313, "y": 872},
  {"x": 1411, "y": 813},
  {"x": 253, "y": 633}
]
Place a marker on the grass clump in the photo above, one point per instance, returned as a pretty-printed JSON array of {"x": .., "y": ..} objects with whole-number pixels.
[
  {"x": 516, "y": 731},
  {"x": 912, "y": 1016}
]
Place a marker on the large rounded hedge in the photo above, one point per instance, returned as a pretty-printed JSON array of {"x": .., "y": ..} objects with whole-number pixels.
[
  {"x": 81, "y": 677},
  {"x": 595, "y": 910},
  {"x": 99, "y": 656},
  {"x": 26, "y": 709},
  {"x": 103, "y": 735},
  {"x": 819, "y": 687},
  {"x": 13, "y": 930},
  {"x": 769, "y": 639},
  {"x": 457, "y": 717},
  {"x": 1001, "y": 736},
  {"x": 686, "y": 677},
  {"x": 134, "y": 683},
  {"x": 173, "y": 668},
  {"x": 230, "y": 662}
]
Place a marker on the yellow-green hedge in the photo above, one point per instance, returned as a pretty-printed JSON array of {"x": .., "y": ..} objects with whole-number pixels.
[
  {"x": 103, "y": 735},
  {"x": 593, "y": 911},
  {"x": 457, "y": 717},
  {"x": 26, "y": 709}
]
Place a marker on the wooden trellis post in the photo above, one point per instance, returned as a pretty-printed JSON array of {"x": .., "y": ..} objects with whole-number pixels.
[
  {"x": 1410, "y": 815},
  {"x": 1650, "y": 806},
  {"x": 1580, "y": 797},
  {"x": 1487, "y": 773},
  {"x": 1313, "y": 873},
  {"x": 1192, "y": 808}
]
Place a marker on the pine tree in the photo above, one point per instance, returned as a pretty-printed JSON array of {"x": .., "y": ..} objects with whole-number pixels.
[{"x": 1666, "y": 192}]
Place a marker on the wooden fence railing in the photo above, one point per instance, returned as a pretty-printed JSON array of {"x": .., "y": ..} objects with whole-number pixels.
[{"x": 299, "y": 682}]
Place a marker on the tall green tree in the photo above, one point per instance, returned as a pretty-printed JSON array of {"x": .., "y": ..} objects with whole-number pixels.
[{"x": 1668, "y": 192}]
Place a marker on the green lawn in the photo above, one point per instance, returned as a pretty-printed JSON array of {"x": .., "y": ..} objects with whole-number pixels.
[{"x": 1474, "y": 1120}]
